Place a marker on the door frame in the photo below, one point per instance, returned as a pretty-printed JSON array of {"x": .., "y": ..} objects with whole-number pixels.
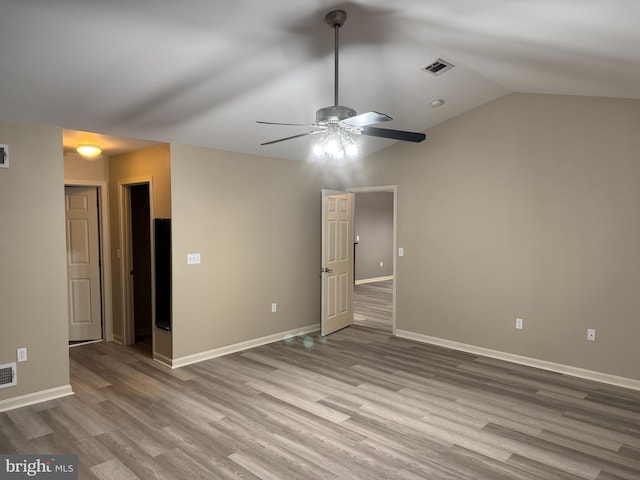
[
  {"x": 394, "y": 190},
  {"x": 126, "y": 285},
  {"x": 105, "y": 251}
]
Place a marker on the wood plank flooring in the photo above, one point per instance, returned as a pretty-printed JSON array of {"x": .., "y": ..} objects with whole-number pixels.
[
  {"x": 372, "y": 305},
  {"x": 356, "y": 405}
]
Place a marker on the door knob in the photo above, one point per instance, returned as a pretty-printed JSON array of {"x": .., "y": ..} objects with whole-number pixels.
[{"x": 326, "y": 270}]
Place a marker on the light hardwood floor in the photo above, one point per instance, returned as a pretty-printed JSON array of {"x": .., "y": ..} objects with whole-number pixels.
[
  {"x": 356, "y": 405},
  {"x": 372, "y": 305}
]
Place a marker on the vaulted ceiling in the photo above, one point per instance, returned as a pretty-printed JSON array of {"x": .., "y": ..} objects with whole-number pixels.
[{"x": 202, "y": 72}]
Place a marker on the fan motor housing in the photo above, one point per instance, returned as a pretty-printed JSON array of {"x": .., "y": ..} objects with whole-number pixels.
[{"x": 326, "y": 114}]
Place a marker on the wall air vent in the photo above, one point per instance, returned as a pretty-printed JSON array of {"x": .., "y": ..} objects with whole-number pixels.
[
  {"x": 439, "y": 67},
  {"x": 8, "y": 376}
]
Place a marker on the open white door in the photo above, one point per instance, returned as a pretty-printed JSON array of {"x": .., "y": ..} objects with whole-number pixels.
[
  {"x": 83, "y": 263},
  {"x": 337, "y": 261}
]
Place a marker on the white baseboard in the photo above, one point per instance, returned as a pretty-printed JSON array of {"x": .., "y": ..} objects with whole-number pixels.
[
  {"x": 237, "y": 347},
  {"x": 72, "y": 345},
  {"x": 119, "y": 339},
  {"x": 522, "y": 360},
  {"x": 36, "y": 397},
  {"x": 373, "y": 280},
  {"x": 158, "y": 357}
]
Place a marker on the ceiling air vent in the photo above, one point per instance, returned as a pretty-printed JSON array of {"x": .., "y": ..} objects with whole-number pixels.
[
  {"x": 7, "y": 375},
  {"x": 439, "y": 67}
]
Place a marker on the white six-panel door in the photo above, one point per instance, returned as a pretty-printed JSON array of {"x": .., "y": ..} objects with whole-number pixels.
[
  {"x": 83, "y": 263},
  {"x": 337, "y": 261}
]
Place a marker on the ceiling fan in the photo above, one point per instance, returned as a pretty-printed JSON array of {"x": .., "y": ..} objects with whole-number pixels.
[{"x": 336, "y": 124}]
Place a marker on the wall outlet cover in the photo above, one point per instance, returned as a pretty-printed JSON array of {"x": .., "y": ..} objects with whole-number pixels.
[
  {"x": 193, "y": 258},
  {"x": 22, "y": 354}
]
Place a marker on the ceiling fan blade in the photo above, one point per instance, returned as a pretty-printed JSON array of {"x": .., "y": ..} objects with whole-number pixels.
[
  {"x": 368, "y": 118},
  {"x": 290, "y": 124},
  {"x": 394, "y": 134},
  {"x": 289, "y": 138}
]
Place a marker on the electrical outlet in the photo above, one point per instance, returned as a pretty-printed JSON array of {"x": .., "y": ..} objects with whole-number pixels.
[
  {"x": 22, "y": 354},
  {"x": 193, "y": 258},
  {"x": 274, "y": 307},
  {"x": 519, "y": 323},
  {"x": 591, "y": 334}
]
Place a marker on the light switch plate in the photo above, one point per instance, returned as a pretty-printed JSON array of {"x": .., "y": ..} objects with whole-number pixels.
[{"x": 401, "y": 252}]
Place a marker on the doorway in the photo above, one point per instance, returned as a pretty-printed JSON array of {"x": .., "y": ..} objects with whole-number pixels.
[
  {"x": 136, "y": 213},
  {"x": 375, "y": 247},
  {"x": 141, "y": 262}
]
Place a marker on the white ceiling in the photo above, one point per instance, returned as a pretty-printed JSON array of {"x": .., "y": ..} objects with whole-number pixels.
[{"x": 201, "y": 72}]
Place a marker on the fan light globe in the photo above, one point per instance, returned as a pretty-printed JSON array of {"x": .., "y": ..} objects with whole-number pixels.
[
  {"x": 333, "y": 147},
  {"x": 318, "y": 151},
  {"x": 352, "y": 149}
]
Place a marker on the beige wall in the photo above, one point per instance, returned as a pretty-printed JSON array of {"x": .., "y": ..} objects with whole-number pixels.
[
  {"x": 528, "y": 207},
  {"x": 130, "y": 167},
  {"x": 256, "y": 223},
  {"x": 76, "y": 167},
  {"x": 33, "y": 277}
]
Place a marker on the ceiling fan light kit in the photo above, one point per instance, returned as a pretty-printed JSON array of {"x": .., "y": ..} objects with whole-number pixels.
[
  {"x": 335, "y": 144},
  {"x": 336, "y": 124}
]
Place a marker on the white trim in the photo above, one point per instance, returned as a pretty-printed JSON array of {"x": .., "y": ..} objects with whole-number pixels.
[
  {"x": 71, "y": 345},
  {"x": 105, "y": 253},
  {"x": 118, "y": 339},
  {"x": 36, "y": 397},
  {"x": 373, "y": 280},
  {"x": 522, "y": 360},
  {"x": 164, "y": 360},
  {"x": 237, "y": 347},
  {"x": 394, "y": 189}
]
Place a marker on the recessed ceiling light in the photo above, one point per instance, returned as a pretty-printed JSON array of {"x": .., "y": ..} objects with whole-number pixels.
[{"x": 437, "y": 103}]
